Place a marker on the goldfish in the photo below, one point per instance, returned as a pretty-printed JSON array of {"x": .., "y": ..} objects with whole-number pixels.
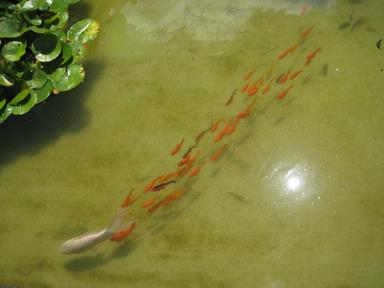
[
  {"x": 266, "y": 89},
  {"x": 218, "y": 137},
  {"x": 196, "y": 170},
  {"x": 149, "y": 202},
  {"x": 284, "y": 93},
  {"x": 312, "y": 55},
  {"x": 150, "y": 185},
  {"x": 83, "y": 242},
  {"x": 295, "y": 74},
  {"x": 245, "y": 87},
  {"x": 184, "y": 160},
  {"x": 232, "y": 128},
  {"x": 129, "y": 199},
  {"x": 165, "y": 177},
  {"x": 253, "y": 90},
  {"x": 306, "y": 32},
  {"x": 156, "y": 206},
  {"x": 177, "y": 147},
  {"x": 284, "y": 78},
  {"x": 283, "y": 54},
  {"x": 120, "y": 235},
  {"x": 245, "y": 113},
  {"x": 248, "y": 75},
  {"x": 216, "y": 124},
  {"x": 161, "y": 186},
  {"x": 219, "y": 152}
]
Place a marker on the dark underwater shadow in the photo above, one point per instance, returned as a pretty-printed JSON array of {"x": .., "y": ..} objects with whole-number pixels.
[{"x": 46, "y": 122}]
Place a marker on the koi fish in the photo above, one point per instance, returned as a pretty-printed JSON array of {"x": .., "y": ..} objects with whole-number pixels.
[
  {"x": 219, "y": 152},
  {"x": 83, "y": 242},
  {"x": 177, "y": 147},
  {"x": 306, "y": 32},
  {"x": 161, "y": 186},
  {"x": 245, "y": 113},
  {"x": 284, "y": 93},
  {"x": 129, "y": 199},
  {"x": 230, "y": 100},
  {"x": 120, "y": 235}
]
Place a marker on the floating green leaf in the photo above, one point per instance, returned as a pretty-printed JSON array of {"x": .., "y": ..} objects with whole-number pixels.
[
  {"x": 13, "y": 50},
  {"x": 46, "y": 47},
  {"x": 11, "y": 26},
  {"x": 83, "y": 32},
  {"x": 38, "y": 79},
  {"x": 2, "y": 102},
  {"x": 4, "y": 81},
  {"x": 22, "y": 103},
  {"x": 65, "y": 79},
  {"x": 43, "y": 93}
]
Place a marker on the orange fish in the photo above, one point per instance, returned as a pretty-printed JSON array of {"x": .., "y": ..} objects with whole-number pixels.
[
  {"x": 218, "y": 137},
  {"x": 232, "y": 128},
  {"x": 266, "y": 89},
  {"x": 253, "y": 90},
  {"x": 196, "y": 170},
  {"x": 157, "y": 205},
  {"x": 295, "y": 74},
  {"x": 184, "y": 160},
  {"x": 216, "y": 124},
  {"x": 129, "y": 199},
  {"x": 245, "y": 113},
  {"x": 150, "y": 185},
  {"x": 306, "y": 32},
  {"x": 284, "y": 78},
  {"x": 120, "y": 235},
  {"x": 149, "y": 202},
  {"x": 219, "y": 152},
  {"x": 293, "y": 48},
  {"x": 248, "y": 75},
  {"x": 182, "y": 171},
  {"x": 284, "y": 93},
  {"x": 177, "y": 147},
  {"x": 283, "y": 54},
  {"x": 245, "y": 87},
  {"x": 166, "y": 177},
  {"x": 168, "y": 199},
  {"x": 311, "y": 55}
]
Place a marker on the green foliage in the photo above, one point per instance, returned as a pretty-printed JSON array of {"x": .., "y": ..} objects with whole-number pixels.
[{"x": 38, "y": 58}]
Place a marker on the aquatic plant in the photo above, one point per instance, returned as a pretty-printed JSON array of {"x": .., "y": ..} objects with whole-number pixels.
[{"x": 37, "y": 57}]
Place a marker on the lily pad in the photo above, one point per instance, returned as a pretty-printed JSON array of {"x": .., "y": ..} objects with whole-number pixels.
[
  {"x": 12, "y": 51},
  {"x": 11, "y": 26},
  {"x": 83, "y": 31},
  {"x": 2, "y": 102},
  {"x": 4, "y": 113},
  {"x": 39, "y": 78},
  {"x": 4, "y": 81},
  {"x": 64, "y": 79},
  {"x": 24, "y": 105},
  {"x": 46, "y": 47},
  {"x": 43, "y": 93}
]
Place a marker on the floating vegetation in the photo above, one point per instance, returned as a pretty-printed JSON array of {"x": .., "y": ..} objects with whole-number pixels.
[{"x": 37, "y": 57}]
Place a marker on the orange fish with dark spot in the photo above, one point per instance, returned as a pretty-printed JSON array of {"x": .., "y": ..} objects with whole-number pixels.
[
  {"x": 150, "y": 185},
  {"x": 284, "y": 93},
  {"x": 120, "y": 235},
  {"x": 177, "y": 148}
]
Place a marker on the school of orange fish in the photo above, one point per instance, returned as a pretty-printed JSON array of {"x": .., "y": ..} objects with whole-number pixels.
[{"x": 163, "y": 190}]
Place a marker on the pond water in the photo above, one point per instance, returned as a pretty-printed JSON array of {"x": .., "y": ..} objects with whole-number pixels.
[{"x": 296, "y": 198}]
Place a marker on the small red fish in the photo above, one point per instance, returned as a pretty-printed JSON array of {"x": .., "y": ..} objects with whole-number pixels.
[
  {"x": 232, "y": 128},
  {"x": 120, "y": 235},
  {"x": 216, "y": 124},
  {"x": 161, "y": 186},
  {"x": 246, "y": 111},
  {"x": 129, "y": 199},
  {"x": 284, "y": 78},
  {"x": 284, "y": 93},
  {"x": 295, "y": 74},
  {"x": 306, "y": 32},
  {"x": 248, "y": 75},
  {"x": 312, "y": 55},
  {"x": 149, "y": 202},
  {"x": 255, "y": 87},
  {"x": 266, "y": 88},
  {"x": 177, "y": 147},
  {"x": 219, "y": 152},
  {"x": 245, "y": 87},
  {"x": 196, "y": 170}
]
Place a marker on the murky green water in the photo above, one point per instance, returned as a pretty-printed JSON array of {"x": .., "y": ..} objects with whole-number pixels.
[{"x": 296, "y": 200}]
